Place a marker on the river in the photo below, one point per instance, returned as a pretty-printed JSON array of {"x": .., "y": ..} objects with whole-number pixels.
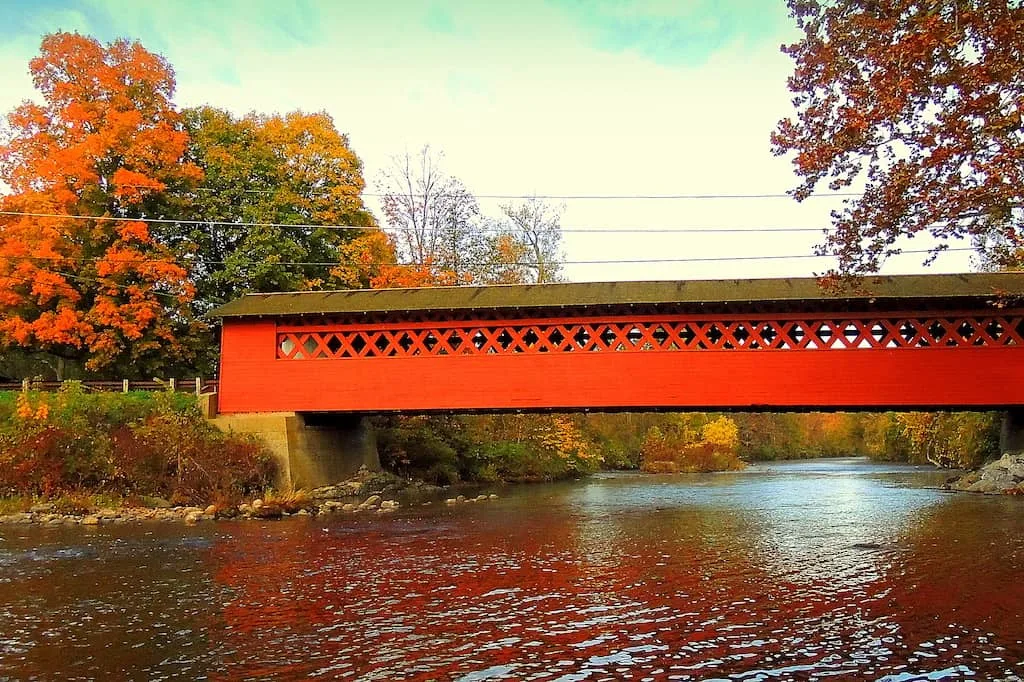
[{"x": 820, "y": 569}]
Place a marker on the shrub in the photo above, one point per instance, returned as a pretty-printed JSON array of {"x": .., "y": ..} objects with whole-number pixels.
[
  {"x": 679, "y": 449},
  {"x": 124, "y": 444}
]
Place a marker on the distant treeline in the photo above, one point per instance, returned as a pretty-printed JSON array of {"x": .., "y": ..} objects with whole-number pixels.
[{"x": 545, "y": 447}]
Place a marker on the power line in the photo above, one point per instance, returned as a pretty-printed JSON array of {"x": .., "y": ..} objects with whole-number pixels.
[
  {"x": 311, "y": 226},
  {"x": 566, "y": 197},
  {"x": 618, "y": 261}
]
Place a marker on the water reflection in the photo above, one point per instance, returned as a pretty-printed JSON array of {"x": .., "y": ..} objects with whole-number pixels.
[{"x": 797, "y": 571}]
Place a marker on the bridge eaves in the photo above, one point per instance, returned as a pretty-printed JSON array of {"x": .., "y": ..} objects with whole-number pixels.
[{"x": 885, "y": 292}]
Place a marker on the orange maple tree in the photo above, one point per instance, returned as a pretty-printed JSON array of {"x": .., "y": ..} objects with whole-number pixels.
[
  {"x": 102, "y": 146},
  {"x": 921, "y": 103}
]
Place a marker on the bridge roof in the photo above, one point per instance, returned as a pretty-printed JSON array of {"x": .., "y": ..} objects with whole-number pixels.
[{"x": 696, "y": 293}]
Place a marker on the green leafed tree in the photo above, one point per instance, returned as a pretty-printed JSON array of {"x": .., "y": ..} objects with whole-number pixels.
[{"x": 293, "y": 170}]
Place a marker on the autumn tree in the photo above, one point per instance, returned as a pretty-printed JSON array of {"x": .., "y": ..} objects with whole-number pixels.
[
  {"x": 921, "y": 104},
  {"x": 370, "y": 261},
  {"x": 281, "y": 195},
  {"x": 536, "y": 225},
  {"x": 432, "y": 216},
  {"x": 82, "y": 278}
]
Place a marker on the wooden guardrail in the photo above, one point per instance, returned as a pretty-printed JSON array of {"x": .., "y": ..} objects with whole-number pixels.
[{"x": 197, "y": 385}]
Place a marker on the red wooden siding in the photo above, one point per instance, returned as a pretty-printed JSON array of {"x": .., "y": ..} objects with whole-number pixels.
[{"x": 890, "y": 360}]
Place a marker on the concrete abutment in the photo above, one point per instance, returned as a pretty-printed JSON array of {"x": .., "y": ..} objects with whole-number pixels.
[{"x": 311, "y": 449}]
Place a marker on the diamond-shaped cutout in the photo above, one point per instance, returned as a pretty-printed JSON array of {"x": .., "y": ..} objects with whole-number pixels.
[
  {"x": 687, "y": 335},
  {"x": 287, "y": 346},
  {"x": 382, "y": 343},
  {"x": 994, "y": 329},
  {"x": 358, "y": 343},
  {"x": 333, "y": 344},
  {"x": 581, "y": 337},
  {"x": 309, "y": 345},
  {"x": 556, "y": 337},
  {"x": 455, "y": 340},
  {"x": 607, "y": 336},
  {"x": 530, "y": 338},
  {"x": 714, "y": 334},
  {"x": 429, "y": 341},
  {"x": 504, "y": 339},
  {"x": 660, "y": 334},
  {"x": 479, "y": 340}
]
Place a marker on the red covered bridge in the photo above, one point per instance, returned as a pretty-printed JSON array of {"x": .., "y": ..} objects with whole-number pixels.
[
  {"x": 920, "y": 341},
  {"x": 299, "y": 368}
]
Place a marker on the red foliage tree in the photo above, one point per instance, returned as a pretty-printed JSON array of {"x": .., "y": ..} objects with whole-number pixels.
[
  {"x": 106, "y": 141},
  {"x": 921, "y": 102}
]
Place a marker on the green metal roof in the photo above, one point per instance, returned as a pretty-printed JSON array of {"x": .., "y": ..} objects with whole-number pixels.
[{"x": 590, "y": 294}]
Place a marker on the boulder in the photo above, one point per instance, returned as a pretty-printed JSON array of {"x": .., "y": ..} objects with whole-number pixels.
[
  {"x": 91, "y": 520},
  {"x": 211, "y": 510},
  {"x": 371, "y": 502}
]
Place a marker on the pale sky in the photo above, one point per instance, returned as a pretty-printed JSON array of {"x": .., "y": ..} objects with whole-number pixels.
[{"x": 563, "y": 97}]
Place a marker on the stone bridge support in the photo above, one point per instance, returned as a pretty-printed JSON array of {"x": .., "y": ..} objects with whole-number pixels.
[
  {"x": 311, "y": 449},
  {"x": 1011, "y": 437}
]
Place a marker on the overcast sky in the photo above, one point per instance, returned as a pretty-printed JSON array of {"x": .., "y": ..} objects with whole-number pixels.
[{"x": 565, "y": 97}]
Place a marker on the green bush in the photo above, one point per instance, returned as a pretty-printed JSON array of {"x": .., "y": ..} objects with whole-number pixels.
[{"x": 154, "y": 444}]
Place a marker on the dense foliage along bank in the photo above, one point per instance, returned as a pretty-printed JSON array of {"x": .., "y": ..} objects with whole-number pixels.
[
  {"x": 544, "y": 447},
  {"x": 126, "y": 447}
]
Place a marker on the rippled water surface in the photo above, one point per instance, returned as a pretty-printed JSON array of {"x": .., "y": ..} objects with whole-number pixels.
[{"x": 833, "y": 569}]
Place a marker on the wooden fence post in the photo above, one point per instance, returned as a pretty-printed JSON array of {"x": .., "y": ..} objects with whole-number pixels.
[
  {"x": 199, "y": 386},
  {"x": 25, "y": 385},
  {"x": 173, "y": 384},
  {"x": 124, "y": 385}
]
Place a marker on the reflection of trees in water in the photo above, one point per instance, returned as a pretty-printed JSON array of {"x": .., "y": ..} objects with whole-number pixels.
[
  {"x": 576, "y": 575},
  {"x": 957, "y": 573}
]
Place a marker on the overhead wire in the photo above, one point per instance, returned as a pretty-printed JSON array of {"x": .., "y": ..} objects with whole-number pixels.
[
  {"x": 615, "y": 261},
  {"x": 313, "y": 226},
  {"x": 571, "y": 197}
]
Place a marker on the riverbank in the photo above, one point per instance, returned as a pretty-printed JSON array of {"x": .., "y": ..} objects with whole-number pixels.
[
  {"x": 365, "y": 492},
  {"x": 1004, "y": 476}
]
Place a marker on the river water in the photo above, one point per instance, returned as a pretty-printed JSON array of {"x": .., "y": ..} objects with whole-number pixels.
[{"x": 823, "y": 569}]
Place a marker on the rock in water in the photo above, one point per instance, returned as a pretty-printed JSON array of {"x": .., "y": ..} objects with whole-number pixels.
[{"x": 371, "y": 502}]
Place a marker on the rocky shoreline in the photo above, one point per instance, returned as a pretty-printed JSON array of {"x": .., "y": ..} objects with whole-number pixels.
[
  {"x": 365, "y": 492},
  {"x": 1004, "y": 476}
]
